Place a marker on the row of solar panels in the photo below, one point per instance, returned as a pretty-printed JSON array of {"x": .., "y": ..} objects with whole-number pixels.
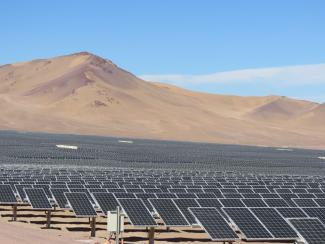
[
  {"x": 163, "y": 174},
  {"x": 79, "y": 169},
  {"x": 255, "y": 223},
  {"x": 176, "y": 187},
  {"x": 311, "y": 182},
  {"x": 227, "y": 200},
  {"x": 148, "y": 188},
  {"x": 226, "y": 188},
  {"x": 122, "y": 181},
  {"x": 270, "y": 200}
]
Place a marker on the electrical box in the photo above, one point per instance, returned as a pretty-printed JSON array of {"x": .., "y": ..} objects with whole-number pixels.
[{"x": 112, "y": 222}]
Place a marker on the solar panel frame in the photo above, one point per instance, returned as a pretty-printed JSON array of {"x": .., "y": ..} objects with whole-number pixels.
[
  {"x": 7, "y": 195},
  {"x": 275, "y": 223},
  {"x": 232, "y": 203},
  {"x": 245, "y": 224},
  {"x": 80, "y": 204},
  {"x": 214, "y": 224},
  {"x": 209, "y": 203},
  {"x": 183, "y": 204},
  {"x": 276, "y": 202},
  {"x": 132, "y": 207},
  {"x": 168, "y": 217},
  {"x": 59, "y": 197},
  {"x": 38, "y": 198},
  {"x": 308, "y": 231},
  {"x": 320, "y": 202},
  {"x": 305, "y": 202},
  {"x": 316, "y": 213},
  {"x": 106, "y": 201},
  {"x": 292, "y": 212},
  {"x": 253, "y": 203}
]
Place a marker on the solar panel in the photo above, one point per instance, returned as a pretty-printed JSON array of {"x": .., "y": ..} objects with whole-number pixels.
[
  {"x": 137, "y": 212},
  {"x": 20, "y": 190},
  {"x": 298, "y": 190},
  {"x": 291, "y": 212},
  {"x": 186, "y": 195},
  {"x": 232, "y": 195},
  {"x": 316, "y": 213},
  {"x": 134, "y": 190},
  {"x": 232, "y": 203},
  {"x": 228, "y": 190},
  {"x": 106, "y": 201},
  {"x": 261, "y": 190},
  {"x": 183, "y": 205},
  {"x": 165, "y": 195},
  {"x": 251, "y": 195},
  {"x": 152, "y": 190},
  {"x": 84, "y": 190},
  {"x": 269, "y": 195},
  {"x": 288, "y": 198},
  {"x": 248, "y": 224},
  {"x": 93, "y": 190},
  {"x": 177, "y": 190},
  {"x": 306, "y": 195},
  {"x": 214, "y": 224},
  {"x": 275, "y": 224},
  {"x": 38, "y": 199},
  {"x": 80, "y": 204},
  {"x": 276, "y": 202},
  {"x": 7, "y": 195},
  {"x": 320, "y": 201},
  {"x": 245, "y": 190},
  {"x": 145, "y": 197},
  {"x": 205, "y": 195},
  {"x": 254, "y": 203},
  {"x": 310, "y": 229},
  {"x": 59, "y": 197},
  {"x": 194, "y": 190},
  {"x": 304, "y": 202},
  {"x": 124, "y": 195},
  {"x": 215, "y": 191},
  {"x": 169, "y": 212},
  {"x": 320, "y": 195},
  {"x": 283, "y": 190},
  {"x": 209, "y": 202}
]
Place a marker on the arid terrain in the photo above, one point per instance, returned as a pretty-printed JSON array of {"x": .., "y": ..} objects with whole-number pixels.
[{"x": 85, "y": 94}]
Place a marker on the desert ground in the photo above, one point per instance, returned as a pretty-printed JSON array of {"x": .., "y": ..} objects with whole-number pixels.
[
  {"x": 66, "y": 228},
  {"x": 86, "y": 94}
]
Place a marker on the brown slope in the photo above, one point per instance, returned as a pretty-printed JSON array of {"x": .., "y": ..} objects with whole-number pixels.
[
  {"x": 313, "y": 119},
  {"x": 83, "y": 93},
  {"x": 282, "y": 109}
]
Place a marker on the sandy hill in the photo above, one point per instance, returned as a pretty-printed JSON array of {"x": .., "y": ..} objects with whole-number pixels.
[{"x": 85, "y": 94}]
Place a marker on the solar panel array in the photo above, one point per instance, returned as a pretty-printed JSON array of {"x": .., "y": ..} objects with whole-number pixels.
[
  {"x": 289, "y": 196},
  {"x": 168, "y": 178}
]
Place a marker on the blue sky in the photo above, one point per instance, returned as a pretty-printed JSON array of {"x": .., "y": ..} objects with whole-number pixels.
[{"x": 183, "y": 42}]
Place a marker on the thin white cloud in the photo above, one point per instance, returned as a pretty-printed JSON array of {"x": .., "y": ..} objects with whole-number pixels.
[{"x": 313, "y": 74}]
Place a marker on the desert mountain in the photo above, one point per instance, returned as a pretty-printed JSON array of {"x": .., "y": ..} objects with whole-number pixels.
[{"x": 86, "y": 94}]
